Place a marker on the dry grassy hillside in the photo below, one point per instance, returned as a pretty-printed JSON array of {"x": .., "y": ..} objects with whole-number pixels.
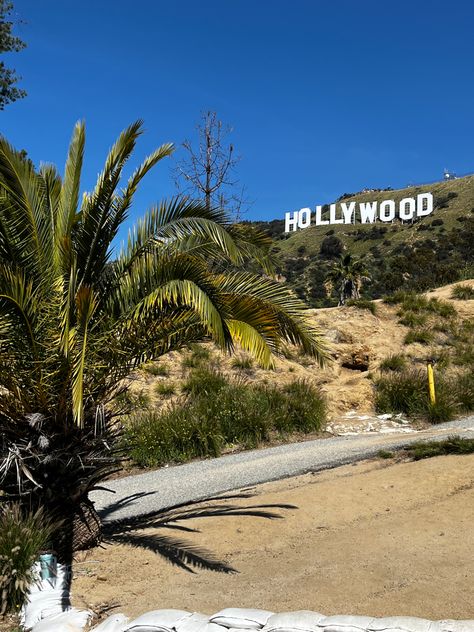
[{"x": 358, "y": 340}]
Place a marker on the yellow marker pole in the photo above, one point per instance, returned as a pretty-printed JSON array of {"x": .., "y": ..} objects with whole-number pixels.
[{"x": 431, "y": 384}]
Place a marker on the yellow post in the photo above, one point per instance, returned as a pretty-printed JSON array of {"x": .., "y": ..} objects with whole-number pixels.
[{"x": 431, "y": 384}]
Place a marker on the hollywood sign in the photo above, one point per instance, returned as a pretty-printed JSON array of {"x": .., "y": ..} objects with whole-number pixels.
[{"x": 368, "y": 212}]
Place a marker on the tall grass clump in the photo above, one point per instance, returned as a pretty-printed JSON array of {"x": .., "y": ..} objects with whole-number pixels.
[
  {"x": 422, "y": 336},
  {"x": 22, "y": 537},
  {"x": 395, "y": 362},
  {"x": 198, "y": 357},
  {"x": 451, "y": 445},
  {"x": 463, "y": 292},
  {"x": 217, "y": 412},
  {"x": 407, "y": 392},
  {"x": 362, "y": 303}
]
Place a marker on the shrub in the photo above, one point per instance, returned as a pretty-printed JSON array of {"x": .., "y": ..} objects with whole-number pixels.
[
  {"x": 407, "y": 392},
  {"x": 198, "y": 356},
  {"x": 22, "y": 537},
  {"x": 244, "y": 363},
  {"x": 463, "y": 389},
  {"x": 395, "y": 362},
  {"x": 165, "y": 389},
  {"x": 422, "y": 336},
  {"x": 412, "y": 319},
  {"x": 437, "y": 222},
  {"x": 441, "y": 308},
  {"x": 222, "y": 414},
  {"x": 203, "y": 381},
  {"x": 156, "y": 369},
  {"x": 463, "y": 292},
  {"x": 404, "y": 392},
  {"x": 363, "y": 303}
]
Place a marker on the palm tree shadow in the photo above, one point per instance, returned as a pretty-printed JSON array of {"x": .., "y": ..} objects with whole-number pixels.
[{"x": 179, "y": 552}]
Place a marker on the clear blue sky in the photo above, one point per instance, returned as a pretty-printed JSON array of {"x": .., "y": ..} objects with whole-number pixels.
[{"x": 325, "y": 96}]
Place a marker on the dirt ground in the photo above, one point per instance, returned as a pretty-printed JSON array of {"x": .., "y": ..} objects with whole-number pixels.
[{"x": 376, "y": 538}]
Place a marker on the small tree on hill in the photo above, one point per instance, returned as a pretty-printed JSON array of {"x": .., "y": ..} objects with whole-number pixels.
[{"x": 346, "y": 277}]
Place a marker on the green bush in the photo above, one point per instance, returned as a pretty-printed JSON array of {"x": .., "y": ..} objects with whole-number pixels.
[
  {"x": 422, "y": 336},
  {"x": 22, "y": 537},
  {"x": 218, "y": 412},
  {"x": 463, "y": 292},
  {"x": 363, "y": 303},
  {"x": 395, "y": 362},
  {"x": 407, "y": 392}
]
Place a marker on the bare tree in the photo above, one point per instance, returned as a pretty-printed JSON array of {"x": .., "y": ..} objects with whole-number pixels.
[{"x": 208, "y": 170}]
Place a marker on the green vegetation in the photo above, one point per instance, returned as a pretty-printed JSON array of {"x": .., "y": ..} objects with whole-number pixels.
[
  {"x": 75, "y": 323},
  {"x": 345, "y": 277},
  {"x": 395, "y": 362},
  {"x": 407, "y": 392},
  {"x": 165, "y": 389},
  {"x": 23, "y": 535},
  {"x": 412, "y": 319},
  {"x": 199, "y": 355},
  {"x": 156, "y": 369},
  {"x": 422, "y": 336},
  {"x": 418, "y": 256},
  {"x": 463, "y": 292},
  {"x": 243, "y": 363},
  {"x": 217, "y": 413},
  {"x": 451, "y": 445},
  {"x": 362, "y": 303}
]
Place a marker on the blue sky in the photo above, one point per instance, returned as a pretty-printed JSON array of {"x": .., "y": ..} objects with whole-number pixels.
[{"x": 325, "y": 96}]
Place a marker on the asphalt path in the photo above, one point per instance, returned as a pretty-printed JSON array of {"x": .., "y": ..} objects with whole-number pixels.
[{"x": 157, "y": 489}]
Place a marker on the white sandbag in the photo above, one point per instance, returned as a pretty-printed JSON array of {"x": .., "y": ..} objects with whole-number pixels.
[
  {"x": 198, "y": 622},
  {"x": 72, "y": 620},
  {"x": 244, "y": 618},
  {"x": 405, "y": 624},
  {"x": 345, "y": 623},
  {"x": 301, "y": 620},
  {"x": 157, "y": 621},
  {"x": 450, "y": 625},
  {"x": 46, "y": 597},
  {"x": 114, "y": 623}
]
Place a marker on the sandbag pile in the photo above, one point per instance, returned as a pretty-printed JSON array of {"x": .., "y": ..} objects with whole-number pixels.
[{"x": 248, "y": 620}]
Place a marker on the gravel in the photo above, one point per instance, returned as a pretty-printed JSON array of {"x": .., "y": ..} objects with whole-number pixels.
[{"x": 153, "y": 490}]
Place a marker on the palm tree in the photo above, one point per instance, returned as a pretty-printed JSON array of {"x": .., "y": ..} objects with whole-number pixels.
[
  {"x": 346, "y": 276},
  {"x": 75, "y": 321}
]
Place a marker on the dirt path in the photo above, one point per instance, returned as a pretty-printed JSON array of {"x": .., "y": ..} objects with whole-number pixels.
[{"x": 374, "y": 538}]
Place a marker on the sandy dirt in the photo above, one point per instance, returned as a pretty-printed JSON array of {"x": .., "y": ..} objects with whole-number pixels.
[{"x": 377, "y": 538}]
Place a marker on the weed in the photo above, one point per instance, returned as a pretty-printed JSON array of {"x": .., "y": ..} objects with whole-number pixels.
[
  {"x": 422, "y": 336},
  {"x": 157, "y": 369},
  {"x": 451, "y": 445},
  {"x": 395, "y": 362},
  {"x": 441, "y": 308},
  {"x": 22, "y": 537},
  {"x": 244, "y": 363},
  {"x": 219, "y": 412},
  {"x": 362, "y": 303},
  {"x": 385, "y": 454},
  {"x": 463, "y": 292},
  {"x": 203, "y": 381},
  {"x": 165, "y": 389},
  {"x": 199, "y": 355},
  {"x": 412, "y": 319}
]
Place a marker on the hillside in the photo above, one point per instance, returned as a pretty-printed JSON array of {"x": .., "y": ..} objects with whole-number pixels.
[
  {"x": 359, "y": 341},
  {"x": 429, "y": 252}
]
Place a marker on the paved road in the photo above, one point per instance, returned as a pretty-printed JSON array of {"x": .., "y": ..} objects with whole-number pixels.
[{"x": 135, "y": 495}]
